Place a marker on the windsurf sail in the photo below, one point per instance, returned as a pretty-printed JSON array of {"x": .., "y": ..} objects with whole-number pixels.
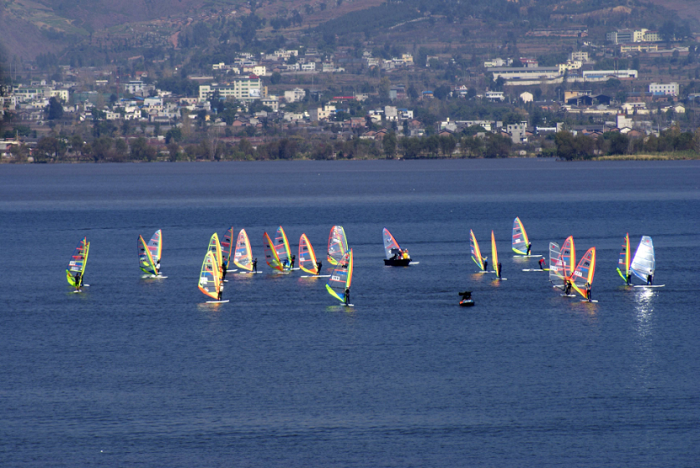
[
  {"x": 146, "y": 262},
  {"x": 149, "y": 254},
  {"x": 476, "y": 252},
  {"x": 227, "y": 246},
  {"x": 556, "y": 272},
  {"x": 307, "y": 257},
  {"x": 210, "y": 276},
  {"x": 644, "y": 262},
  {"x": 583, "y": 274},
  {"x": 567, "y": 257},
  {"x": 341, "y": 278},
  {"x": 215, "y": 249},
  {"x": 76, "y": 265},
  {"x": 391, "y": 247},
  {"x": 520, "y": 240},
  {"x": 337, "y": 245},
  {"x": 494, "y": 252},
  {"x": 282, "y": 247},
  {"x": 271, "y": 254},
  {"x": 243, "y": 258},
  {"x": 623, "y": 263}
]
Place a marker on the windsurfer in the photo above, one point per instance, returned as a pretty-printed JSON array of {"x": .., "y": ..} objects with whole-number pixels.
[
  {"x": 486, "y": 264},
  {"x": 650, "y": 279},
  {"x": 221, "y": 291},
  {"x": 529, "y": 247},
  {"x": 498, "y": 269},
  {"x": 255, "y": 265},
  {"x": 541, "y": 263},
  {"x": 629, "y": 279},
  {"x": 78, "y": 281},
  {"x": 347, "y": 296},
  {"x": 588, "y": 291},
  {"x": 318, "y": 268},
  {"x": 567, "y": 287},
  {"x": 294, "y": 259},
  {"x": 224, "y": 267}
]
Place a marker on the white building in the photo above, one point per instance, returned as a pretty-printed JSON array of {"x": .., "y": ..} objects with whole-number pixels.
[
  {"x": 133, "y": 87},
  {"x": 498, "y": 62},
  {"x": 495, "y": 96},
  {"x": 524, "y": 73},
  {"x": 526, "y": 97},
  {"x": 579, "y": 56},
  {"x": 295, "y": 95},
  {"x": 311, "y": 66},
  {"x": 668, "y": 89},
  {"x": 322, "y": 113},
  {"x": 247, "y": 88},
  {"x": 604, "y": 74}
]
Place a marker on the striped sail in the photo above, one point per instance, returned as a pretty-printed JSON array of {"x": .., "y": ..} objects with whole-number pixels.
[
  {"x": 337, "y": 245},
  {"x": 583, "y": 274},
  {"x": 341, "y": 278},
  {"x": 146, "y": 262},
  {"x": 520, "y": 240},
  {"x": 475, "y": 251},
  {"x": 271, "y": 254},
  {"x": 227, "y": 245},
  {"x": 307, "y": 257},
  {"x": 77, "y": 263},
  {"x": 494, "y": 252},
  {"x": 243, "y": 258},
  {"x": 623, "y": 263},
  {"x": 567, "y": 257},
  {"x": 391, "y": 247},
  {"x": 215, "y": 249},
  {"x": 282, "y": 247},
  {"x": 556, "y": 272},
  {"x": 210, "y": 276}
]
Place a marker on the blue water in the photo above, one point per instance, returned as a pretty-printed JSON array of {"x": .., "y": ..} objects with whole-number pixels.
[{"x": 138, "y": 372}]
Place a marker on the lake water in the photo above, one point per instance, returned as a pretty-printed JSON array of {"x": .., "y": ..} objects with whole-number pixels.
[{"x": 138, "y": 372}]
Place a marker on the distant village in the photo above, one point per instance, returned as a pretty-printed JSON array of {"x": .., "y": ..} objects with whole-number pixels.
[{"x": 46, "y": 120}]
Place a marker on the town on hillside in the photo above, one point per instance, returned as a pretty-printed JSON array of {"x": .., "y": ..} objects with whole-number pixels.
[{"x": 236, "y": 86}]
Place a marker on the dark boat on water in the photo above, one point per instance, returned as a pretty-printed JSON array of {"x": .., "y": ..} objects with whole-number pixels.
[
  {"x": 394, "y": 255},
  {"x": 397, "y": 261},
  {"x": 467, "y": 300}
]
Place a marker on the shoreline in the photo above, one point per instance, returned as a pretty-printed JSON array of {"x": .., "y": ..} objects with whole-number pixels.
[{"x": 684, "y": 156}]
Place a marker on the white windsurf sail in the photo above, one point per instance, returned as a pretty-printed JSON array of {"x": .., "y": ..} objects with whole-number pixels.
[{"x": 644, "y": 261}]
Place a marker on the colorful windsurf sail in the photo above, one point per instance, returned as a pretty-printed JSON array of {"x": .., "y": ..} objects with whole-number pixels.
[
  {"x": 567, "y": 257},
  {"x": 391, "y": 247},
  {"x": 623, "y": 263},
  {"x": 644, "y": 261},
  {"x": 215, "y": 249},
  {"x": 341, "y": 278},
  {"x": 583, "y": 274},
  {"x": 282, "y": 248},
  {"x": 307, "y": 257},
  {"x": 337, "y": 245},
  {"x": 271, "y": 254},
  {"x": 227, "y": 246},
  {"x": 210, "y": 276},
  {"x": 76, "y": 265},
  {"x": 556, "y": 272},
  {"x": 494, "y": 253},
  {"x": 520, "y": 240},
  {"x": 150, "y": 254},
  {"x": 146, "y": 262},
  {"x": 243, "y": 258},
  {"x": 476, "y": 252}
]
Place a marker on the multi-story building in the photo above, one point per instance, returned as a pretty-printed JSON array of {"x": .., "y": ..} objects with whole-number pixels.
[
  {"x": 247, "y": 88},
  {"x": 667, "y": 89},
  {"x": 579, "y": 56}
]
